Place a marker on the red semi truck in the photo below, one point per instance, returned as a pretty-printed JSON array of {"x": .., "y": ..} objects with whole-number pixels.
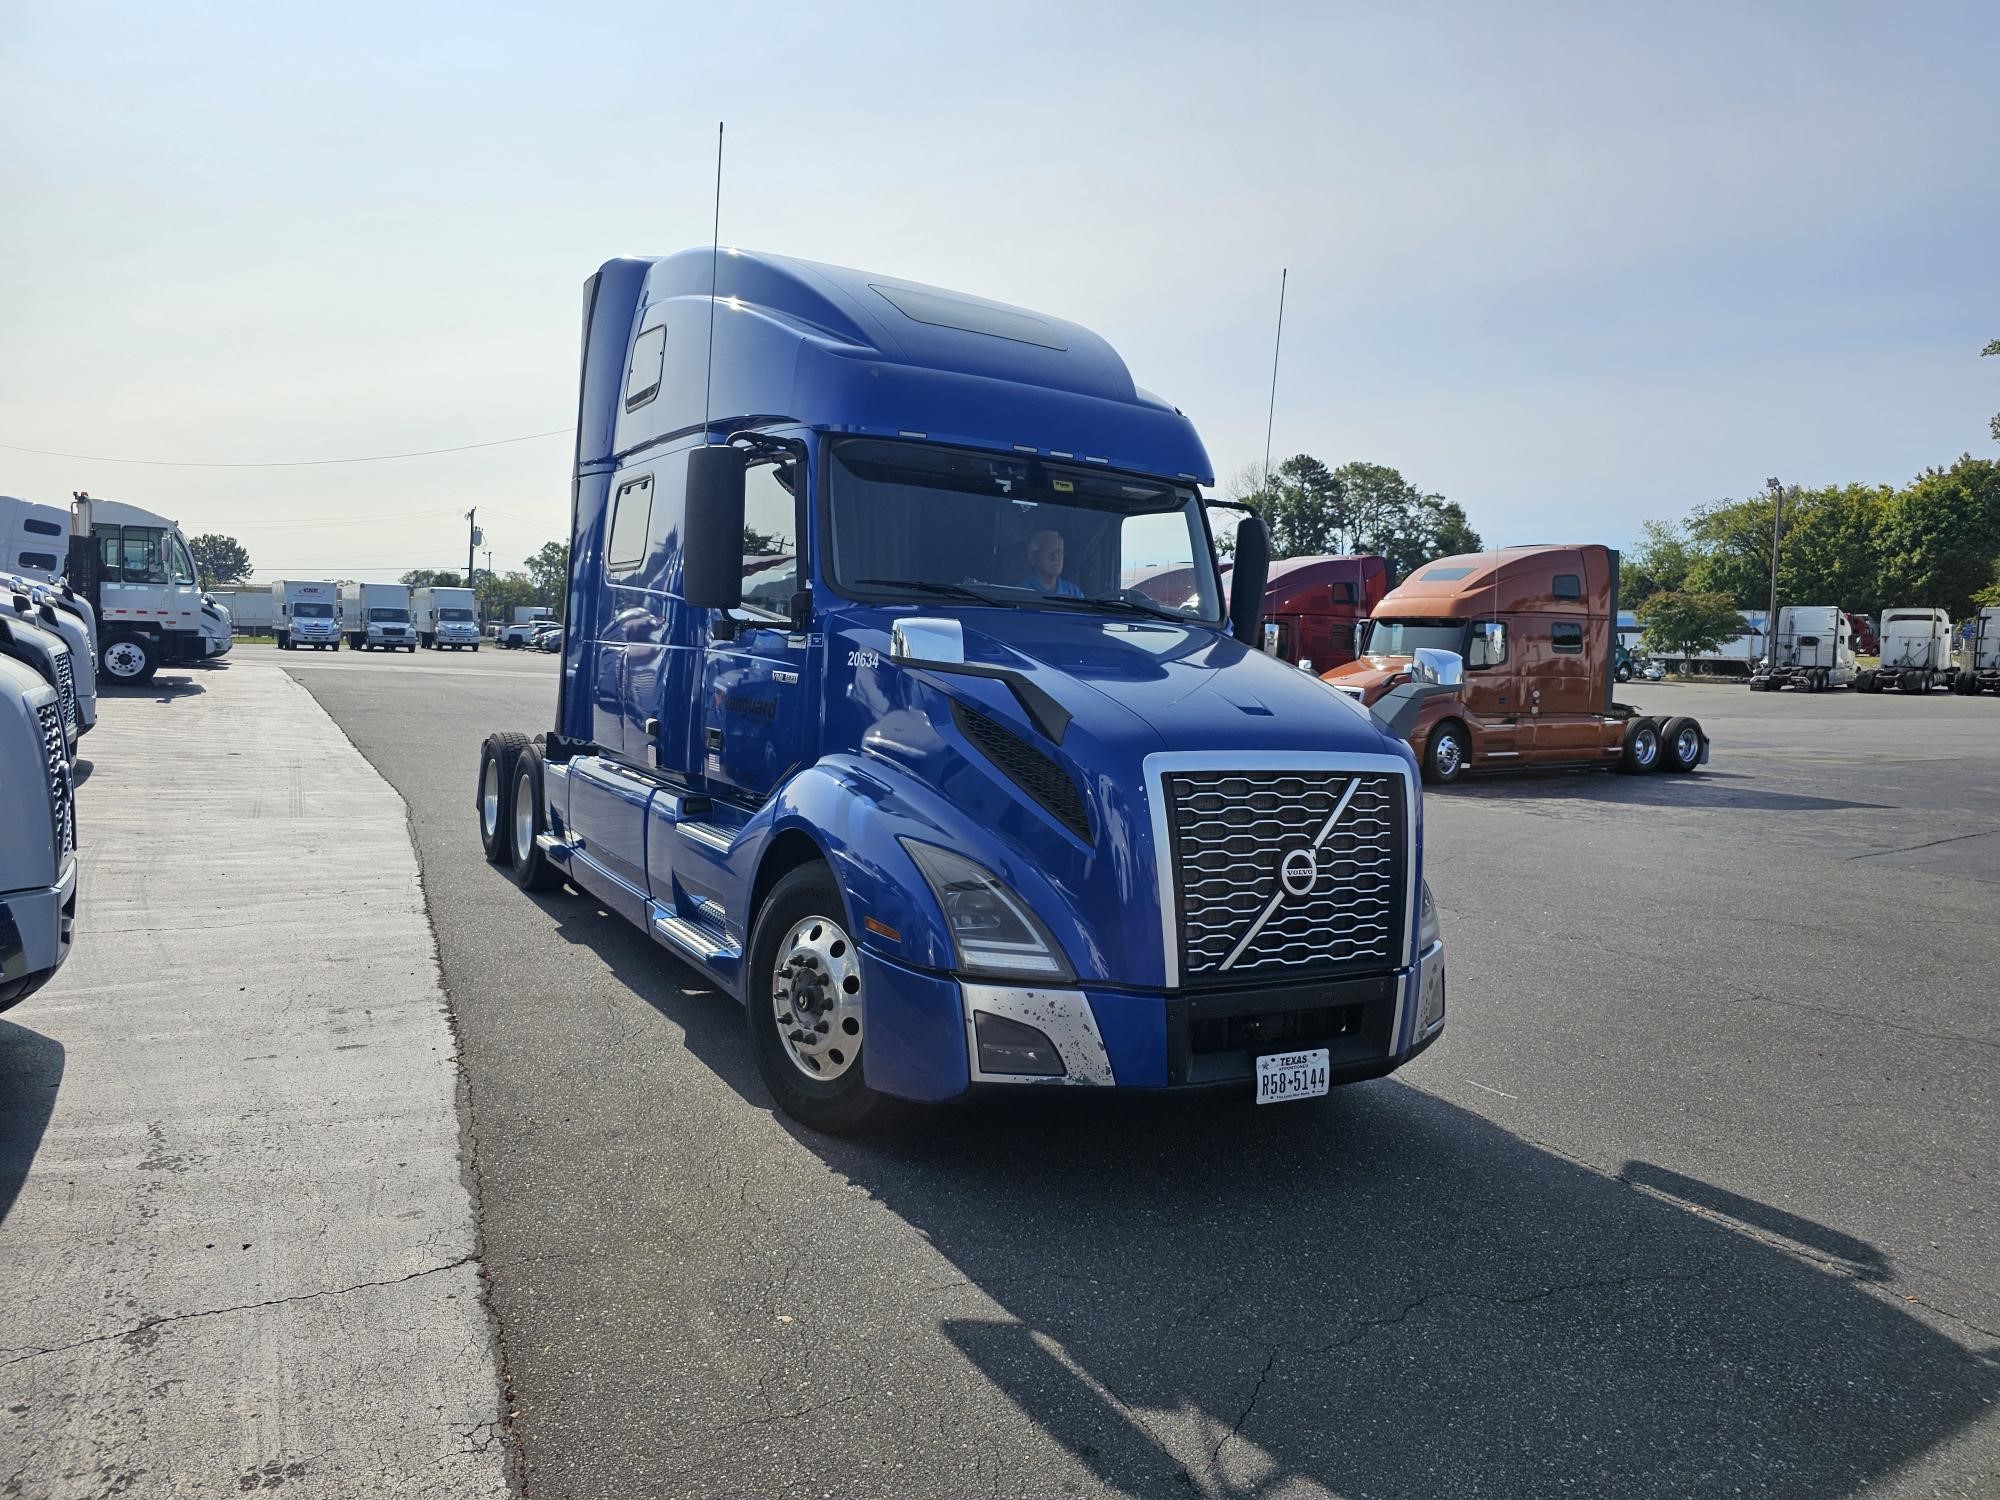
[
  {"x": 1313, "y": 606},
  {"x": 1535, "y": 627}
]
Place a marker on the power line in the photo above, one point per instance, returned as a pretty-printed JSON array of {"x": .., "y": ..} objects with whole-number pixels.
[{"x": 290, "y": 463}]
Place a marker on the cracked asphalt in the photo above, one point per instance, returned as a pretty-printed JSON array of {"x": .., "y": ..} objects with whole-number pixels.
[{"x": 1695, "y": 1196}]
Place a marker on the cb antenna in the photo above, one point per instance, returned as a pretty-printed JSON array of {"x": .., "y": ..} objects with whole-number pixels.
[
  {"x": 714, "y": 262},
  {"x": 1270, "y": 416}
]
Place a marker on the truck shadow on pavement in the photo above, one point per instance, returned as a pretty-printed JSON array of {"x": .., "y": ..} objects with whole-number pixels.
[
  {"x": 1378, "y": 1294},
  {"x": 31, "y": 1073},
  {"x": 159, "y": 690}
]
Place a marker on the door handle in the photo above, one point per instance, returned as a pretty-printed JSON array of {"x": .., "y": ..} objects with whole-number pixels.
[{"x": 714, "y": 738}]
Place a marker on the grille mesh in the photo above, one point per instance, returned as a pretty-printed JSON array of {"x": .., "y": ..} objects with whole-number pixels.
[
  {"x": 66, "y": 692},
  {"x": 1030, "y": 770},
  {"x": 1232, "y": 831},
  {"x": 62, "y": 799}
]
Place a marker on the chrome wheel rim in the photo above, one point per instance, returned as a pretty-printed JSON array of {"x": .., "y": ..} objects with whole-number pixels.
[
  {"x": 524, "y": 815},
  {"x": 1448, "y": 756},
  {"x": 816, "y": 999},
  {"x": 1687, "y": 745},
  {"x": 489, "y": 798},
  {"x": 123, "y": 659},
  {"x": 1645, "y": 748}
]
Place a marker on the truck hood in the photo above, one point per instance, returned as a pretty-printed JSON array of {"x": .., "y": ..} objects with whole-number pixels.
[
  {"x": 1168, "y": 686},
  {"x": 1373, "y": 675}
]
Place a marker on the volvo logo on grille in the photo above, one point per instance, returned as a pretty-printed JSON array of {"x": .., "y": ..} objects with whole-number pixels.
[{"x": 1298, "y": 872}]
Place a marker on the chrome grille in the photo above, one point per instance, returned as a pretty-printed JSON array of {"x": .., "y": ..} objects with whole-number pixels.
[
  {"x": 66, "y": 692},
  {"x": 1288, "y": 874},
  {"x": 62, "y": 796}
]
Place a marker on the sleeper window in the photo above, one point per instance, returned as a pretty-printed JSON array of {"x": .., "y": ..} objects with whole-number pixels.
[
  {"x": 630, "y": 514},
  {"x": 1568, "y": 586},
  {"x": 642, "y": 377},
  {"x": 44, "y": 561},
  {"x": 1567, "y": 639}
]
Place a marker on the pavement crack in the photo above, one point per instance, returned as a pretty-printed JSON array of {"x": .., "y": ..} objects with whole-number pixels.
[
  {"x": 1248, "y": 1406},
  {"x": 147, "y": 1325},
  {"x": 1950, "y": 838}
]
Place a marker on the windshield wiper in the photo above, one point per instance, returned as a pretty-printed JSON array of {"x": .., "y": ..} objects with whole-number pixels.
[
  {"x": 928, "y": 586},
  {"x": 1118, "y": 601}
]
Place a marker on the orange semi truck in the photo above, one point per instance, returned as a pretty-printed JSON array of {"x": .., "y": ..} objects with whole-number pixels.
[{"x": 1535, "y": 628}]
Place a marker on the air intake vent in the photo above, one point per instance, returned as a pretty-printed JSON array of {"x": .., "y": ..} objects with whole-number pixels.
[{"x": 1030, "y": 770}]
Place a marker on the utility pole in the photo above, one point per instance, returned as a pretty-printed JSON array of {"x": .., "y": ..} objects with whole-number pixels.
[
  {"x": 1771, "y": 624},
  {"x": 471, "y": 546}
]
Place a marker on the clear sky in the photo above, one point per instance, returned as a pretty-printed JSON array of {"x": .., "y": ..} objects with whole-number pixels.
[{"x": 1574, "y": 266}]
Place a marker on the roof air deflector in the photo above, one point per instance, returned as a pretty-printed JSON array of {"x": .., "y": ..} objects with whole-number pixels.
[{"x": 969, "y": 317}]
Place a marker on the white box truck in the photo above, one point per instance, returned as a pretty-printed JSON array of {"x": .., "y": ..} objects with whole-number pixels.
[
  {"x": 1979, "y": 662},
  {"x": 376, "y": 617},
  {"x": 38, "y": 814},
  {"x": 1814, "y": 651},
  {"x": 447, "y": 618},
  {"x": 305, "y": 613},
  {"x": 1916, "y": 652}
]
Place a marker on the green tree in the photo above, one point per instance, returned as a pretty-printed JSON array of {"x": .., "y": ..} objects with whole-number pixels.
[
  {"x": 430, "y": 578},
  {"x": 219, "y": 559},
  {"x": 499, "y": 594},
  {"x": 1359, "y": 507},
  {"x": 548, "y": 572},
  {"x": 1684, "y": 624},
  {"x": 1659, "y": 564},
  {"x": 1989, "y": 597},
  {"x": 1938, "y": 537}
]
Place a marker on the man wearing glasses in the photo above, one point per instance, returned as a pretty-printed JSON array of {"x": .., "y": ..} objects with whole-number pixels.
[{"x": 1045, "y": 559}]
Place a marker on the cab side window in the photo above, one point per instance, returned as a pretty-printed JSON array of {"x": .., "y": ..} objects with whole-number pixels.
[
  {"x": 1566, "y": 640},
  {"x": 642, "y": 375},
  {"x": 631, "y": 515},
  {"x": 1568, "y": 586},
  {"x": 770, "y": 538},
  {"x": 45, "y": 561},
  {"x": 1488, "y": 645}
]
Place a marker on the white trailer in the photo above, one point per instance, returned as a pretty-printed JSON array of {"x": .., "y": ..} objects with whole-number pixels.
[
  {"x": 251, "y": 608},
  {"x": 306, "y": 613},
  {"x": 1979, "y": 663},
  {"x": 447, "y": 618},
  {"x": 38, "y": 813},
  {"x": 528, "y": 614},
  {"x": 1736, "y": 657},
  {"x": 1916, "y": 652},
  {"x": 376, "y": 617},
  {"x": 1814, "y": 651}
]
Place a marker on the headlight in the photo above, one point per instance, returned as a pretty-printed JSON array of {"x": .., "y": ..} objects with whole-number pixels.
[
  {"x": 1427, "y": 920},
  {"x": 991, "y": 930}
]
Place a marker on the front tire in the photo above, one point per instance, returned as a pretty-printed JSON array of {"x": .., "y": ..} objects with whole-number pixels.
[
  {"x": 494, "y": 799},
  {"x": 1445, "y": 753},
  {"x": 129, "y": 660},
  {"x": 805, "y": 1007}
]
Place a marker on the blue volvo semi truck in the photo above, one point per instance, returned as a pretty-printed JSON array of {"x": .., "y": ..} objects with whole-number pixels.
[{"x": 864, "y": 714}]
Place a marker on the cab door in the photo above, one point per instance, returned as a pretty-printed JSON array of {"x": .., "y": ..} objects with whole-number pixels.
[
  {"x": 757, "y": 705},
  {"x": 1492, "y": 690},
  {"x": 1564, "y": 720}
]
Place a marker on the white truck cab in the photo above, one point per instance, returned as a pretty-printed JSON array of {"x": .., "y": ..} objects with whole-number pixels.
[
  {"x": 38, "y": 856},
  {"x": 1979, "y": 663},
  {"x": 1814, "y": 651},
  {"x": 32, "y": 639},
  {"x": 218, "y": 629},
  {"x": 376, "y": 617},
  {"x": 447, "y": 618},
  {"x": 135, "y": 568},
  {"x": 1916, "y": 652},
  {"x": 305, "y": 613},
  {"x": 28, "y": 598}
]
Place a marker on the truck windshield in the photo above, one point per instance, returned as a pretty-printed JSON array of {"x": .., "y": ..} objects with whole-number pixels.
[
  {"x": 389, "y": 616},
  {"x": 310, "y": 609},
  {"x": 464, "y": 615},
  {"x": 1405, "y": 637},
  {"x": 918, "y": 522}
]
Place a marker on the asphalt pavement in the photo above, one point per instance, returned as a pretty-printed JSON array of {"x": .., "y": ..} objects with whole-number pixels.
[{"x": 1695, "y": 1196}]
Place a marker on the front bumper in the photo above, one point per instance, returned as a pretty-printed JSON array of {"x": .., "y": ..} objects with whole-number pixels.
[
  {"x": 36, "y": 930},
  {"x": 923, "y": 1036}
]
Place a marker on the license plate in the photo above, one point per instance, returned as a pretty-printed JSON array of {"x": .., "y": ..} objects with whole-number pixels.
[{"x": 1285, "y": 1076}]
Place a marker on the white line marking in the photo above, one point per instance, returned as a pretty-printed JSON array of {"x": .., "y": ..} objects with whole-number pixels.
[{"x": 1491, "y": 1090}]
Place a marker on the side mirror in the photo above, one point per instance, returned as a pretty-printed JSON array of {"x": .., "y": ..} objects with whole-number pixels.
[
  {"x": 1438, "y": 668},
  {"x": 923, "y": 640},
  {"x": 712, "y": 531},
  {"x": 1248, "y": 580}
]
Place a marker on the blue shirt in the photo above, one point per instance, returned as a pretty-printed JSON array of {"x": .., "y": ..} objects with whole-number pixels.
[{"x": 1063, "y": 589}]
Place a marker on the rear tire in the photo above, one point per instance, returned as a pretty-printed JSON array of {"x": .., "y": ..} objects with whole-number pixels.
[
  {"x": 532, "y": 870},
  {"x": 1642, "y": 747},
  {"x": 1445, "y": 753},
  {"x": 801, "y": 961},
  {"x": 1681, "y": 744},
  {"x": 493, "y": 799}
]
